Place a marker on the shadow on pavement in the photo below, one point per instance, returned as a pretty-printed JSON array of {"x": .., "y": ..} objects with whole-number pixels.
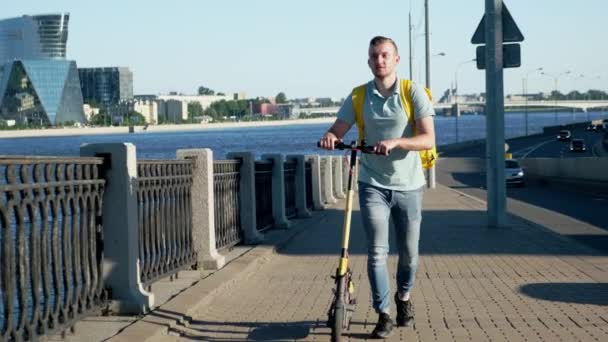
[
  {"x": 579, "y": 293},
  {"x": 443, "y": 232},
  {"x": 258, "y": 331}
]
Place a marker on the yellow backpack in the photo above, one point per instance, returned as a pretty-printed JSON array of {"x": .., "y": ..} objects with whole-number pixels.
[{"x": 428, "y": 157}]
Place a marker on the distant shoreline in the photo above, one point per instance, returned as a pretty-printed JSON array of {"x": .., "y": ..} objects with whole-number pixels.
[{"x": 58, "y": 132}]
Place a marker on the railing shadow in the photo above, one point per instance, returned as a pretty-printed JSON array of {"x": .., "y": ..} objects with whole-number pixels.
[{"x": 578, "y": 293}]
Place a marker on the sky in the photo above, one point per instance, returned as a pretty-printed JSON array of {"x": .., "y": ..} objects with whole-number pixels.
[{"x": 318, "y": 48}]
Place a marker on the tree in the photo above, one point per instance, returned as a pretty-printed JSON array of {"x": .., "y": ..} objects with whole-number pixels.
[
  {"x": 221, "y": 94},
  {"x": 100, "y": 119},
  {"x": 281, "y": 98},
  {"x": 195, "y": 110},
  {"x": 134, "y": 118},
  {"x": 202, "y": 90}
]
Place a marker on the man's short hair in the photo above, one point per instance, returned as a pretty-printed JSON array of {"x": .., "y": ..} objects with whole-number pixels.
[{"x": 377, "y": 40}]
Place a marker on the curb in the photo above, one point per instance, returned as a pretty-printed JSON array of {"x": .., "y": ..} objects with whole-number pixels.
[{"x": 180, "y": 310}]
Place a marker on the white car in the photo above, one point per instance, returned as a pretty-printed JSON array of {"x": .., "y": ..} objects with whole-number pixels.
[{"x": 514, "y": 174}]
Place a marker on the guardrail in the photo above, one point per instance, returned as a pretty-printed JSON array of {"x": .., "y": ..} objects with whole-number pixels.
[
  {"x": 55, "y": 267},
  {"x": 263, "y": 194},
  {"x": 290, "y": 188},
  {"x": 51, "y": 244},
  {"x": 164, "y": 218},
  {"x": 308, "y": 176},
  {"x": 226, "y": 180}
]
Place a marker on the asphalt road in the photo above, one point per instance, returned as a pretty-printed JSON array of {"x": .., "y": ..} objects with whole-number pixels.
[
  {"x": 546, "y": 146},
  {"x": 583, "y": 209}
]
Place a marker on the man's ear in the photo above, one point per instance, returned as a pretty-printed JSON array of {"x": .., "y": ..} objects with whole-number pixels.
[
  {"x": 369, "y": 63},
  {"x": 398, "y": 58}
]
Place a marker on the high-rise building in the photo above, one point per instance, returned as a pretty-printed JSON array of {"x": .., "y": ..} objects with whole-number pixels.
[
  {"x": 106, "y": 86},
  {"x": 37, "y": 83},
  {"x": 34, "y": 37}
]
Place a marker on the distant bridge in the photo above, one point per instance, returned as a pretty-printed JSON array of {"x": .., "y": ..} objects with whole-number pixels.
[{"x": 581, "y": 105}]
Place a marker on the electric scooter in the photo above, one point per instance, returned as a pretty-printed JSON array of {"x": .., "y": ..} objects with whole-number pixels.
[{"x": 343, "y": 303}]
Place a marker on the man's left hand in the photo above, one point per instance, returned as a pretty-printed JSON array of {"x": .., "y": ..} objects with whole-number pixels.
[{"x": 386, "y": 146}]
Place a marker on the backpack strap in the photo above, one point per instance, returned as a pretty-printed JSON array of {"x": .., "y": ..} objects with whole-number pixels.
[{"x": 358, "y": 97}]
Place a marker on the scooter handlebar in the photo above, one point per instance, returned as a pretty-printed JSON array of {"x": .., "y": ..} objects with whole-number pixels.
[{"x": 363, "y": 148}]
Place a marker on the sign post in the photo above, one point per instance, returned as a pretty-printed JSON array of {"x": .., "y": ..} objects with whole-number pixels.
[{"x": 496, "y": 27}]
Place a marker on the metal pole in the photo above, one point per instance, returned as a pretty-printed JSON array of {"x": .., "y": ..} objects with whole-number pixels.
[
  {"x": 456, "y": 110},
  {"x": 495, "y": 121},
  {"x": 430, "y": 172},
  {"x": 555, "y": 101},
  {"x": 524, "y": 85},
  {"x": 410, "y": 33}
]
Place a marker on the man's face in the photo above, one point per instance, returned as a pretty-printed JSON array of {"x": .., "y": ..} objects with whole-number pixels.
[{"x": 383, "y": 59}]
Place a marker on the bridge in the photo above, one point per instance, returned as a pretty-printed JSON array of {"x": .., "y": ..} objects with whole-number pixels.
[{"x": 570, "y": 104}]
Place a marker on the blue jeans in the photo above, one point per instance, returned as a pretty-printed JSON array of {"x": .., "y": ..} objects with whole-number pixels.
[{"x": 405, "y": 207}]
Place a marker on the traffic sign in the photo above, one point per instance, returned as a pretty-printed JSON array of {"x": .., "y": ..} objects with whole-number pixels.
[
  {"x": 510, "y": 31},
  {"x": 511, "y": 56}
]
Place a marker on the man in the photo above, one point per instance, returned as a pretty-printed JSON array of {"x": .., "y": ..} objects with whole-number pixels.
[{"x": 390, "y": 184}]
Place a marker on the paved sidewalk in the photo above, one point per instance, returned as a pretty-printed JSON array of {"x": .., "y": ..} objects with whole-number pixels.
[{"x": 522, "y": 283}]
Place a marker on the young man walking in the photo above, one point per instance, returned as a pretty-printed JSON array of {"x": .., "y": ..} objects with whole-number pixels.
[{"x": 391, "y": 184}]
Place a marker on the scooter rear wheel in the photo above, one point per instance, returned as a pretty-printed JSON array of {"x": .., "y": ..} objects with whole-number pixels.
[{"x": 338, "y": 312}]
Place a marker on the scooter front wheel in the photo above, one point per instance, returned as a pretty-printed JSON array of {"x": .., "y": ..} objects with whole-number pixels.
[{"x": 337, "y": 324}]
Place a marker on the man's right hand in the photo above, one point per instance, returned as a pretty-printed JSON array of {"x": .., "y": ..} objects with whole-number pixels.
[{"x": 328, "y": 141}]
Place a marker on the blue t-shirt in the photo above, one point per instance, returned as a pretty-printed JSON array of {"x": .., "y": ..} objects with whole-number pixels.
[{"x": 385, "y": 118}]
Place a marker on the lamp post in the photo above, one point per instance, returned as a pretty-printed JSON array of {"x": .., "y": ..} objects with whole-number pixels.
[
  {"x": 524, "y": 82},
  {"x": 574, "y": 91},
  {"x": 456, "y": 110},
  {"x": 555, "y": 79}
]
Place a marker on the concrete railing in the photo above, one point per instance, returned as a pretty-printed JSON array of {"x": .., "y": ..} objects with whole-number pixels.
[{"x": 120, "y": 217}]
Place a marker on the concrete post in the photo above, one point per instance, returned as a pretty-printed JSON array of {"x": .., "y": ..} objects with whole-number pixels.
[
  {"x": 345, "y": 171},
  {"x": 203, "y": 208},
  {"x": 251, "y": 235},
  {"x": 315, "y": 164},
  {"x": 336, "y": 166},
  {"x": 278, "y": 189},
  {"x": 301, "y": 185},
  {"x": 356, "y": 174},
  {"x": 326, "y": 185},
  {"x": 120, "y": 228}
]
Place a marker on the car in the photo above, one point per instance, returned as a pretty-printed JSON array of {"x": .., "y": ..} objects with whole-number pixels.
[
  {"x": 578, "y": 145},
  {"x": 564, "y": 134},
  {"x": 592, "y": 128},
  {"x": 514, "y": 174}
]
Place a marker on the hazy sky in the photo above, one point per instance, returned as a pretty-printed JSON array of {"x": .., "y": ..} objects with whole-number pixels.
[{"x": 319, "y": 47}]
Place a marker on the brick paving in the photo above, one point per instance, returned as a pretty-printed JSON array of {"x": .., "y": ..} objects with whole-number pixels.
[{"x": 520, "y": 283}]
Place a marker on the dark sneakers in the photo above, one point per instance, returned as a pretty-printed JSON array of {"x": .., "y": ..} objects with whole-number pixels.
[
  {"x": 405, "y": 312},
  {"x": 383, "y": 327}
]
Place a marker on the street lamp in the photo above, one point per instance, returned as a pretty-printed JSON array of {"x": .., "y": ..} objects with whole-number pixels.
[
  {"x": 574, "y": 91},
  {"x": 555, "y": 79},
  {"x": 456, "y": 111},
  {"x": 524, "y": 82}
]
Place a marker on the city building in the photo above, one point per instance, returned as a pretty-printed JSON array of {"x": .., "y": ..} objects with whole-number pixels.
[
  {"x": 34, "y": 37},
  {"x": 148, "y": 109},
  {"x": 204, "y": 100},
  {"x": 37, "y": 84},
  {"x": 107, "y": 86},
  {"x": 172, "y": 111}
]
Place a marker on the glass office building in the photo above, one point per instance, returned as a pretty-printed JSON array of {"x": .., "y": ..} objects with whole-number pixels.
[
  {"x": 106, "y": 86},
  {"x": 34, "y": 37},
  {"x": 37, "y": 84},
  {"x": 45, "y": 92}
]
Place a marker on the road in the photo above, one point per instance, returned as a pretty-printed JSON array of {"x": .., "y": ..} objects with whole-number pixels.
[
  {"x": 545, "y": 146},
  {"x": 583, "y": 212}
]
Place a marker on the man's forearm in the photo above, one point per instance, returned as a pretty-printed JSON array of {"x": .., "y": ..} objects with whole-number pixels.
[{"x": 417, "y": 143}]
